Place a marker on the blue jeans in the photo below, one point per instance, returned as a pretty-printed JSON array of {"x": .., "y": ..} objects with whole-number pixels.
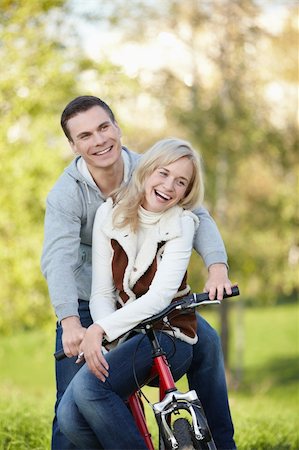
[
  {"x": 65, "y": 371},
  {"x": 206, "y": 376},
  {"x": 93, "y": 414}
]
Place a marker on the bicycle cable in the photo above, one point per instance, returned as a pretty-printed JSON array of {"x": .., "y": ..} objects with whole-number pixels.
[
  {"x": 168, "y": 356},
  {"x": 139, "y": 388}
]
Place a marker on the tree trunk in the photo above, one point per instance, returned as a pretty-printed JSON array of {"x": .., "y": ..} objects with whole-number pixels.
[{"x": 221, "y": 211}]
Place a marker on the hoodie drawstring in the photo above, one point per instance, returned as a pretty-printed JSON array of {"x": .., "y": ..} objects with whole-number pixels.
[{"x": 87, "y": 192}]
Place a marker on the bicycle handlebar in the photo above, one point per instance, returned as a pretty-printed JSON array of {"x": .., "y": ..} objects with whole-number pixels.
[{"x": 188, "y": 302}]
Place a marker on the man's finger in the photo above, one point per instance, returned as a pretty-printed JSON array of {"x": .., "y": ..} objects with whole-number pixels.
[
  {"x": 220, "y": 292},
  {"x": 228, "y": 289},
  {"x": 212, "y": 293}
]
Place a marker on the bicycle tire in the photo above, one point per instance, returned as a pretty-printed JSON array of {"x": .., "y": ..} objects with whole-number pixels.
[
  {"x": 208, "y": 443},
  {"x": 183, "y": 434},
  {"x": 185, "y": 437}
]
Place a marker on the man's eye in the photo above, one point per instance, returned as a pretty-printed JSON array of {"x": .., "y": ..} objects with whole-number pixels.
[{"x": 84, "y": 137}]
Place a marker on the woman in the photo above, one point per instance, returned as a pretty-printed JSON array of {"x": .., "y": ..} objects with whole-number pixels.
[{"x": 142, "y": 242}]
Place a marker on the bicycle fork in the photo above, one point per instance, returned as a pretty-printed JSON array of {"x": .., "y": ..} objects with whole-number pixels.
[{"x": 170, "y": 399}]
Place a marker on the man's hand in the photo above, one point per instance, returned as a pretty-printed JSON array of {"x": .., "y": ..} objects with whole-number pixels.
[
  {"x": 218, "y": 281},
  {"x": 92, "y": 349},
  {"x": 72, "y": 336}
]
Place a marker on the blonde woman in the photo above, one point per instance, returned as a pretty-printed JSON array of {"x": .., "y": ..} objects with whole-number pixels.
[{"x": 142, "y": 242}]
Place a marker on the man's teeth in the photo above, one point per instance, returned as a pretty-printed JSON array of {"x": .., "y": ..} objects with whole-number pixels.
[
  {"x": 161, "y": 194},
  {"x": 102, "y": 152}
]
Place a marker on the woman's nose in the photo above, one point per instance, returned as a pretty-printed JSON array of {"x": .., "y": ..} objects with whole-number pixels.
[{"x": 169, "y": 183}]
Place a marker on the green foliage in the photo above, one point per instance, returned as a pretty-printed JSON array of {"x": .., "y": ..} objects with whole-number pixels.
[{"x": 32, "y": 90}]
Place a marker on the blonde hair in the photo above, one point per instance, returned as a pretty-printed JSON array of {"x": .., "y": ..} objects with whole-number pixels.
[{"x": 127, "y": 199}]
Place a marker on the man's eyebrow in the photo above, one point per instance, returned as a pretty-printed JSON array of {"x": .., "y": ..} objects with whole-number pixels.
[
  {"x": 83, "y": 133},
  {"x": 86, "y": 133}
]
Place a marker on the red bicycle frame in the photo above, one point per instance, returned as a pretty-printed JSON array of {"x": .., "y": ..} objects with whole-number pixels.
[{"x": 161, "y": 370}]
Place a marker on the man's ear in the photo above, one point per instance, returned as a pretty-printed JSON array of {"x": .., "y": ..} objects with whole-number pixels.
[
  {"x": 118, "y": 127},
  {"x": 73, "y": 147}
]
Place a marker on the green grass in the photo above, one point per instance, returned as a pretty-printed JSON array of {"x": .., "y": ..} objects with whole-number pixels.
[{"x": 264, "y": 355}]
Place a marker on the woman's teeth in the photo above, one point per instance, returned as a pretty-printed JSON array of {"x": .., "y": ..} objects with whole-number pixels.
[{"x": 162, "y": 195}]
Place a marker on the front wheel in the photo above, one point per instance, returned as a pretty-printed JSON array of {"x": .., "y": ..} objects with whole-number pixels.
[{"x": 184, "y": 434}]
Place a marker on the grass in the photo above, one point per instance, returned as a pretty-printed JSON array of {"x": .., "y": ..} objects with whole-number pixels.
[{"x": 264, "y": 357}]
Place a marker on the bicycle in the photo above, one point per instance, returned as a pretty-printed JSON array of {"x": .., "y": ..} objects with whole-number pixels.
[{"x": 183, "y": 433}]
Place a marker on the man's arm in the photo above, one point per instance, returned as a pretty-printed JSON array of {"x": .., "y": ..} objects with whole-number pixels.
[
  {"x": 59, "y": 257},
  {"x": 209, "y": 245}
]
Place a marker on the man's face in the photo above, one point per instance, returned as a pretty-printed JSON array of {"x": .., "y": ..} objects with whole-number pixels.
[{"x": 95, "y": 137}]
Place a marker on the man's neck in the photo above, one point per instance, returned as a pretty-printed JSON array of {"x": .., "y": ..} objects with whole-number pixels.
[{"x": 108, "y": 178}]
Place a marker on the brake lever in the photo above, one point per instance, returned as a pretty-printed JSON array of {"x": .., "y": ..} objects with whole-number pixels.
[{"x": 195, "y": 304}]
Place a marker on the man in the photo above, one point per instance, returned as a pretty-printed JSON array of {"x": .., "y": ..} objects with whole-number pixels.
[{"x": 102, "y": 166}]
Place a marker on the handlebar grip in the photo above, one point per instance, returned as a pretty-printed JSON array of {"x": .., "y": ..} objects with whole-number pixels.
[
  {"x": 59, "y": 355},
  {"x": 204, "y": 296},
  {"x": 235, "y": 292}
]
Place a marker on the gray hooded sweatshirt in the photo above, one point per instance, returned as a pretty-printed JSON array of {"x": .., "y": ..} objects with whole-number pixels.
[{"x": 66, "y": 258}]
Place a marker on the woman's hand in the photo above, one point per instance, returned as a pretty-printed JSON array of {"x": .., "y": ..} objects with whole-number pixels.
[
  {"x": 218, "y": 281},
  {"x": 91, "y": 347}
]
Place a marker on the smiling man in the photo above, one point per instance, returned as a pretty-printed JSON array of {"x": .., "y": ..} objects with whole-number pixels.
[{"x": 102, "y": 165}]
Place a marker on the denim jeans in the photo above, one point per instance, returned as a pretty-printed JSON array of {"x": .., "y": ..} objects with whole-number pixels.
[
  {"x": 206, "y": 376},
  {"x": 93, "y": 414},
  {"x": 65, "y": 370}
]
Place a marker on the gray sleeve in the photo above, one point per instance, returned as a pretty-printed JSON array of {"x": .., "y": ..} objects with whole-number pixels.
[
  {"x": 207, "y": 240},
  {"x": 60, "y": 255}
]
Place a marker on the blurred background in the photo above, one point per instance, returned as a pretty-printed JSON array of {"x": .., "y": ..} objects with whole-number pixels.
[{"x": 222, "y": 74}]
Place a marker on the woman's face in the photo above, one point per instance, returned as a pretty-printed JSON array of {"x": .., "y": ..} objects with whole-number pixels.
[{"x": 167, "y": 185}]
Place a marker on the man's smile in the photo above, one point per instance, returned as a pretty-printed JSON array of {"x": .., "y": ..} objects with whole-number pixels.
[{"x": 102, "y": 152}]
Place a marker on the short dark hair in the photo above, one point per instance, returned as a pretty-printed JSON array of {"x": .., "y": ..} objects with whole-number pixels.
[{"x": 80, "y": 104}]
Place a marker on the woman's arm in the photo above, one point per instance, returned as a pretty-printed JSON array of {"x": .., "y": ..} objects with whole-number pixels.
[
  {"x": 103, "y": 294},
  {"x": 103, "y": 299}
]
